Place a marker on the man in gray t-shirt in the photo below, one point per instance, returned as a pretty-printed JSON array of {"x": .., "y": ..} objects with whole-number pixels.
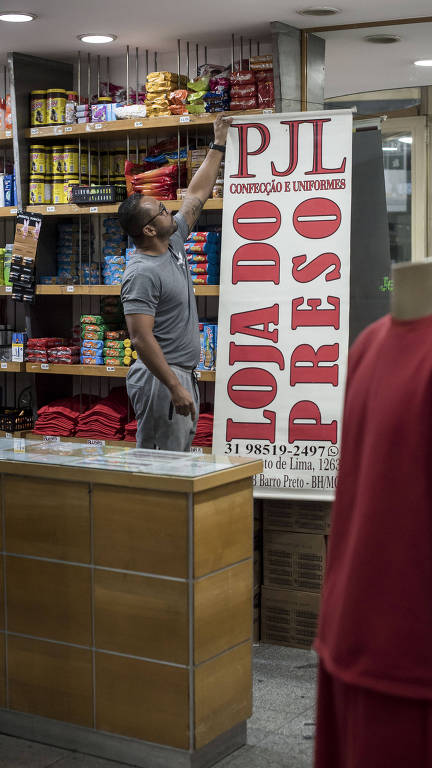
[{"x": 160, "y": 309}]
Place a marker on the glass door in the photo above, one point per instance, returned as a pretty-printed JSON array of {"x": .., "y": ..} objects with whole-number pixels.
[{"x": 405, "y": 170}]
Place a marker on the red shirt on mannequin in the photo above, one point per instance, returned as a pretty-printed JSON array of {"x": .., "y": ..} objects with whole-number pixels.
[{"x": 376, "y": 616}]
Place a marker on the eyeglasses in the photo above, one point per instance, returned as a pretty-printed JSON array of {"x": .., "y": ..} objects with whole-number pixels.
[{"x": 162, "y": 209}]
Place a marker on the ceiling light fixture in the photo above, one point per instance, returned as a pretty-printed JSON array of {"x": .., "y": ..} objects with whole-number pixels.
[
  {"x": 423, "y": 63},
  {"x": 17, "y": 18},
  {"x": 319, "y": 10},
  {"x": 96, "y": 38},
  {"x": 383, "y": 39},
  {"x": 406, "y": 139},
  {"x": 390, "y": 149}
]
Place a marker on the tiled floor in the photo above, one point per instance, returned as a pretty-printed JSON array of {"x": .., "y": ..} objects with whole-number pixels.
[{"x": 280, "y": 733}]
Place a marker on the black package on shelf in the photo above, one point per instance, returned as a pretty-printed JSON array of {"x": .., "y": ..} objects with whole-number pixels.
[
  {"x": 16, "y": 419},
  {"x": 22, "y": 270},
  {"x": 102, "y": 193}
]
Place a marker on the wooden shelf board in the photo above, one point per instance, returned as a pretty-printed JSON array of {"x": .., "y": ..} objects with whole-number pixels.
[
  {"x": 8, "y": 212},
  {"x": 112, "y": 208},
  {"x": 206, "y": 290},
  {"x": 102, "y": 290},
  {"x": 13, "y": 434},
  {"x": 119, "y": 372},
  {"x": 78, "y": 290},
  {"x": 206, "y": 375},
  {"x": 116, "y": 128},
  {"x": 12, "y": 367},
  {"x": 95, "y": 370},
  {"x": 88, "y": 441},
  {"x": 6, "y": 137}
]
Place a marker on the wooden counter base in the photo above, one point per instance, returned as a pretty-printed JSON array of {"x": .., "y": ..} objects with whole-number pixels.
[{"x": 126, "y": 613}]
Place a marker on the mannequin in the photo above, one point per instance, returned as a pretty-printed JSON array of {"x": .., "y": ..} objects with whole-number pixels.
[
  {"x": 412, "y": 290},
  {"x": 374, "y": 638}
]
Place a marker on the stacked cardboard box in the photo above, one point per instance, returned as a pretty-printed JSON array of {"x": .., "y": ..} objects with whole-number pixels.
[
  {"x": 294, "y": 554},
  {"x": 195, "y": 160}
]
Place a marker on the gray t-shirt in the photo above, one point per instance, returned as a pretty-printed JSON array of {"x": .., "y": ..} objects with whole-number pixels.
[{"x": 162, "y": 286}]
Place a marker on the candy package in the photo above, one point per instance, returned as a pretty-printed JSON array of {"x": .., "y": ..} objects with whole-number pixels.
[
  {"x": 91, "y": 320},
  {"x": 242, "y": 77},
  {"x": 116, "y": 335},
  {"x": 243, "y": 104},
  {"x": 243, "y": 91},
  {"x": 95, "y": 346},
  {"x": 92, "y": 335}
]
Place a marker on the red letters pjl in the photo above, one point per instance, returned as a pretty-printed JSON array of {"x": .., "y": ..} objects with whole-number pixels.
[{"x": 318, "y": 167}]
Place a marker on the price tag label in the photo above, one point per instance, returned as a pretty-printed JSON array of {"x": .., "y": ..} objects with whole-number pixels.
[
  {"x": 50, "y": 208},
  {"x": 196, "y": 449},
  {"x": 70, "y": 289},
  {"x": 138, "y": 123},
  {"x": 185, "y": 118},
  {"x": 13, "y": 211},
  {"x": 69, "y": 129},
  {"x": 98, "y": 126},
  {"x": 4, "y": 366},
  {"x": 9, "y": 134},
  {"x": 267, "y": 111},
  {"x": 19, "y": 445},
  {"x": 94, "y": 209},
  {"x": 8, "y": 434},
  {"x": 33, "y": 131},
  {"x": 51, "y": 439},
  {"x": 110, "y": 368},
  {"x": 44, "y": 367},
  {"x": 198, "y": 374},
  {"x": 58, "y": 131},
  {"x": 8, "y": 289},
  {"x": 96, "y": 442}
]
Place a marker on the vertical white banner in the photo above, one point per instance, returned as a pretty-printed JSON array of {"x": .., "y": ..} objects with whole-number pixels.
[{"x": 284, "y": 298}]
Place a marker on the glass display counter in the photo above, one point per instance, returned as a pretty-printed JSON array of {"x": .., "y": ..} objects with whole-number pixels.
[{"x": 126, "y": 616}]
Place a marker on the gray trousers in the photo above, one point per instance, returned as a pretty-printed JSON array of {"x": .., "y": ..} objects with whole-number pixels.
[{"x": 159, "y": 426}]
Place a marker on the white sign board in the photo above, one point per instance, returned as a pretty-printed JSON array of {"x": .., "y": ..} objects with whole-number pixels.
[{"x": 284, "y": 299}]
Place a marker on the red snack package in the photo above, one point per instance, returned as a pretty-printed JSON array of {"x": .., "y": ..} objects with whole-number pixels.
[
  {"x": 178, "y": 97},
  {"x": 242, "y": 77},
  {"x": 266, "y": 93},
  {"x": 178, "y": 109},
  {"x": 268, "y": 75},
  {"x": 243, "y": 104},
  {"x": 243, "y": 91}
]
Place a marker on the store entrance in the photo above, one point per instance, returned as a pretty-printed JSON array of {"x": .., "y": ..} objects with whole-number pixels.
[{"x": 404, "y": 154}]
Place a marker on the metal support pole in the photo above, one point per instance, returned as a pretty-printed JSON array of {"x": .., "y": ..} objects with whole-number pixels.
[
  {"x": 304, "y": 74},
  {"x": 155, "y": 61},
  {"x": 241, "y": 52},
  {"x": 137, "y": 75},
  {"x": 250, "y": 51},
  {"x": 197, "y": 57},
  {"x": 187, "y": 60},
  {"x": 205, "y": 54},
  {"x": 232, "y": 53},
  {"x": 98, "y": 76},
  {"x": 127, "y": 74},
  {"x": 178, "y": 157},
  {"x": 258, "y": 48},
  {"x": 79, "y": 77},
  {"x": 89, "y": 78},
  {"x": 178, "y": 58},
  {"x": 108, "y": 76},
  {"x": 147, "y": 62}
]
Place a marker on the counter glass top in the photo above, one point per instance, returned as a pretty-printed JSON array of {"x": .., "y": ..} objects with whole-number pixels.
[{"x": 112, "y": 458}]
